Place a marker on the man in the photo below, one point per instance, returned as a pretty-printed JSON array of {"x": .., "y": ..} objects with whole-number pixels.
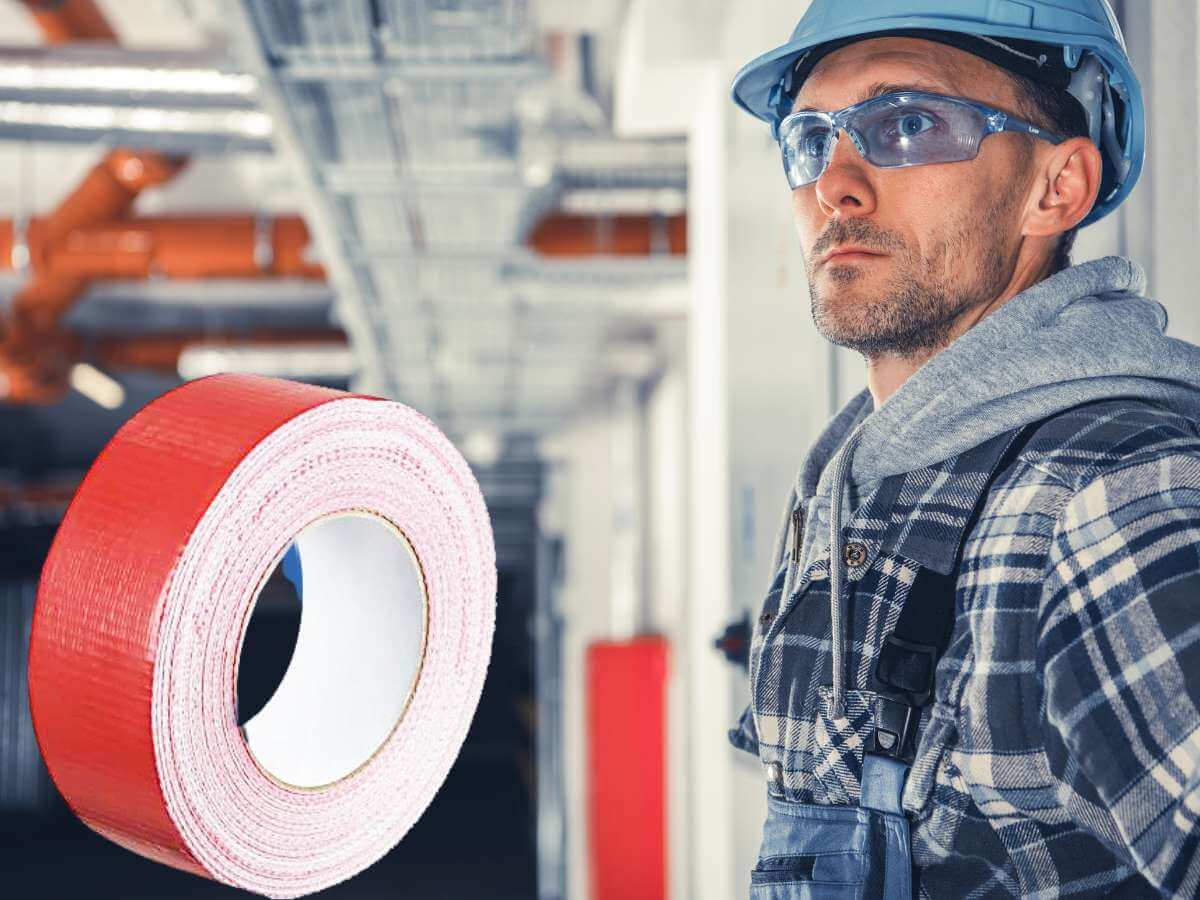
[{"x": 977, "y": 672}]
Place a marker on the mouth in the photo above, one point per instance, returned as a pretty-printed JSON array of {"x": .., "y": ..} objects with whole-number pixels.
[{"x": 850, "y": 254}]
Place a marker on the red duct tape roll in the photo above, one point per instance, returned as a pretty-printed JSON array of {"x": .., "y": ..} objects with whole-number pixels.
[{"x": 142, "y": 608}]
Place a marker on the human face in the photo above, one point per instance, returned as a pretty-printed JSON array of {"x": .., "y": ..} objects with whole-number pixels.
[{"x": 936, "y": 240}]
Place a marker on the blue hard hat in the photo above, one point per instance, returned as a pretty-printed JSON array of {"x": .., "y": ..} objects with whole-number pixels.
[{"x": 1102, "y": 79}]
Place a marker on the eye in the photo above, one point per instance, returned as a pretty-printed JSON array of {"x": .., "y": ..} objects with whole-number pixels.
[
  {"x": 815, "y": 142},
  {"x": 913, "y": 123}
]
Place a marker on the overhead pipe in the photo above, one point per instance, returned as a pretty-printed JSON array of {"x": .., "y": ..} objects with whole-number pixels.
[
  {"x": 63, "y": 21},
  {"x": 85, "y": 240},
  {"x": 36, "y": 355},
  {"x": 84, "y": 88},
  {"x": 562, "y": 235},
  {"x": 181, "y": 247},
  {"x": 37, "y": 358},
  {"x": 106, "y": 192},
  {"x": 100, "y": 75},
  {"x": 241, "y": 246},
  {"x": 166, "y": 129}
]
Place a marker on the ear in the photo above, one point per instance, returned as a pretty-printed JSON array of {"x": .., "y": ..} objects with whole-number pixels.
[{"x": 1065, "y": 187}]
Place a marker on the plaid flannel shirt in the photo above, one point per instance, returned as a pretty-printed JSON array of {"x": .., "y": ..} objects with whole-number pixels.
[{"x": 1061, "y": 754}]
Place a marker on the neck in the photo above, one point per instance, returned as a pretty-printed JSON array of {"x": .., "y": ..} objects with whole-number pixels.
[{"x": 886, "y": 373}]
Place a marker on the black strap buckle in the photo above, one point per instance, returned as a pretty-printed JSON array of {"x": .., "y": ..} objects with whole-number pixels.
[
  {"x": 906, "y": 669},
  {"x": 895, "y": 729}
]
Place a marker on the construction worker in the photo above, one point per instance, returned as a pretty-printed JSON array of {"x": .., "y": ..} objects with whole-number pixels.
[{"x": 976, "y": 672}]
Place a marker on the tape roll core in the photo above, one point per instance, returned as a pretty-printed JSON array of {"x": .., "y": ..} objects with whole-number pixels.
[{"x": 357, "y": 658}]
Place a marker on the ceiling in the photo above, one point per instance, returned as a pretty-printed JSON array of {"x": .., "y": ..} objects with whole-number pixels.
[
  {"x": 422, "y": 141},
  {"x": 434, "y": 135}
]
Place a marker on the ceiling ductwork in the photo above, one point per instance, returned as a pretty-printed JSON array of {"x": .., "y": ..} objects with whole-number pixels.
[
  {"x": 482, "y": 230},
  {"x": 438, "y": 140}
]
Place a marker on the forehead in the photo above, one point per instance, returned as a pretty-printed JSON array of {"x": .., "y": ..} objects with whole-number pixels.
[{"x": 854, "y": 73}]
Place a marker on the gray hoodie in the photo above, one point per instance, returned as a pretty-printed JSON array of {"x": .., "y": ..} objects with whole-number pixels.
[{"x": 1086, "y": 333}]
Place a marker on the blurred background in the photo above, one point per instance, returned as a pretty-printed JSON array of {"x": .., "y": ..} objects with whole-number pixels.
[{"x": 543, "y": 224}]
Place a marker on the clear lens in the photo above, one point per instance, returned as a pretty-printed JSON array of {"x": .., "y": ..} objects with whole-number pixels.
[
  {"x": 899, "y": 131},
  {"x": 806, "y": 141}
]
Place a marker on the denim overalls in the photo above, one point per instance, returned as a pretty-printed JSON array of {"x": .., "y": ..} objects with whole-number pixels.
[{"x": 836, "y": 756}]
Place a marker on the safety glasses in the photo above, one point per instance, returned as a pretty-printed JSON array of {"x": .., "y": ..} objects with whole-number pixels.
[{"x": 907, "y": 128}]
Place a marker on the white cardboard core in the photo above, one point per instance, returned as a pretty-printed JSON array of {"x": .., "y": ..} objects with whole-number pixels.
[{"x": 360, "y": 645}]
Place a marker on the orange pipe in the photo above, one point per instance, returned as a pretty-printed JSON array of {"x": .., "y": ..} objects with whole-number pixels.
[
  {"x": 35, "y": 357},
  {"x": 563, "y": 235},
  {"x": 192, "y": 247},
  {"x": 108, "y": 191},
  {"x": 63, "y": 21},
  {"x": 169, "y": 246}
]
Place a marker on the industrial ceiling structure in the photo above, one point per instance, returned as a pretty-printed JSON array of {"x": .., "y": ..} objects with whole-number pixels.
[
  {"x": 443, "y": 138},
  {"x": 485, "y": 234},
  {"x": 422, "y": 199}
]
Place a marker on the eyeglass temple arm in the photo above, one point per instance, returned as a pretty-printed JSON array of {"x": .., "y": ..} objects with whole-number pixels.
[{"x": 998, "y": 122}]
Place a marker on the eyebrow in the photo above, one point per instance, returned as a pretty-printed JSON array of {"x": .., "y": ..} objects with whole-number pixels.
[{"x": 888, "y": 87}]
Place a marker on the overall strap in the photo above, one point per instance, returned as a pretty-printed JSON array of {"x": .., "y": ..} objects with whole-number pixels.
[{"x": 903, "y": 676}]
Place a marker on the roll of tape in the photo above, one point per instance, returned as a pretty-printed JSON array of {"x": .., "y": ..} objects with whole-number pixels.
[{"x": 143, "y": 604}]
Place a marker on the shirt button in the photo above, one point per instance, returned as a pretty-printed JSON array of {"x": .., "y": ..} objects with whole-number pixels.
[
  {"x": 765, "y": 618},
  {"x": 775, "y": 774},
  {"x": 854, "y": 553}
]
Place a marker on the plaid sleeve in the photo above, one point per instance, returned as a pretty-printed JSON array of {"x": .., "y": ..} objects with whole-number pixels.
[
  {"x": 743, "y": 735},
  {"x": 1118, "y": 647}
]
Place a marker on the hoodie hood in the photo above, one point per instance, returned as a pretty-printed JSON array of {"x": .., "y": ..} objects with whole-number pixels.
[{"x": 1086, "y": 333}]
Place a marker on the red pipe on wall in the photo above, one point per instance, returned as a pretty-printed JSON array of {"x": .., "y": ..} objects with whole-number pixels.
[{"x": 626, "y": 741}]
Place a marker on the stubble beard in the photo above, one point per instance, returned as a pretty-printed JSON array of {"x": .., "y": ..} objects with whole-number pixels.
[{"x": 913, "y": 315}]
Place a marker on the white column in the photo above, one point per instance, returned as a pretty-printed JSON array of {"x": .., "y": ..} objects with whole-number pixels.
[
  {"x": 758, "y": 392},
  {"x": 628, "y": 534},
  {"x": 578, "y": 504},
  {"x": 1162, "y": 215},
  {"x": 709, "y": 511}
]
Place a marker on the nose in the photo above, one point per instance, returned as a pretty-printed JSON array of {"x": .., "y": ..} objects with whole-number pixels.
[{"x": 845, "y": 186}]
